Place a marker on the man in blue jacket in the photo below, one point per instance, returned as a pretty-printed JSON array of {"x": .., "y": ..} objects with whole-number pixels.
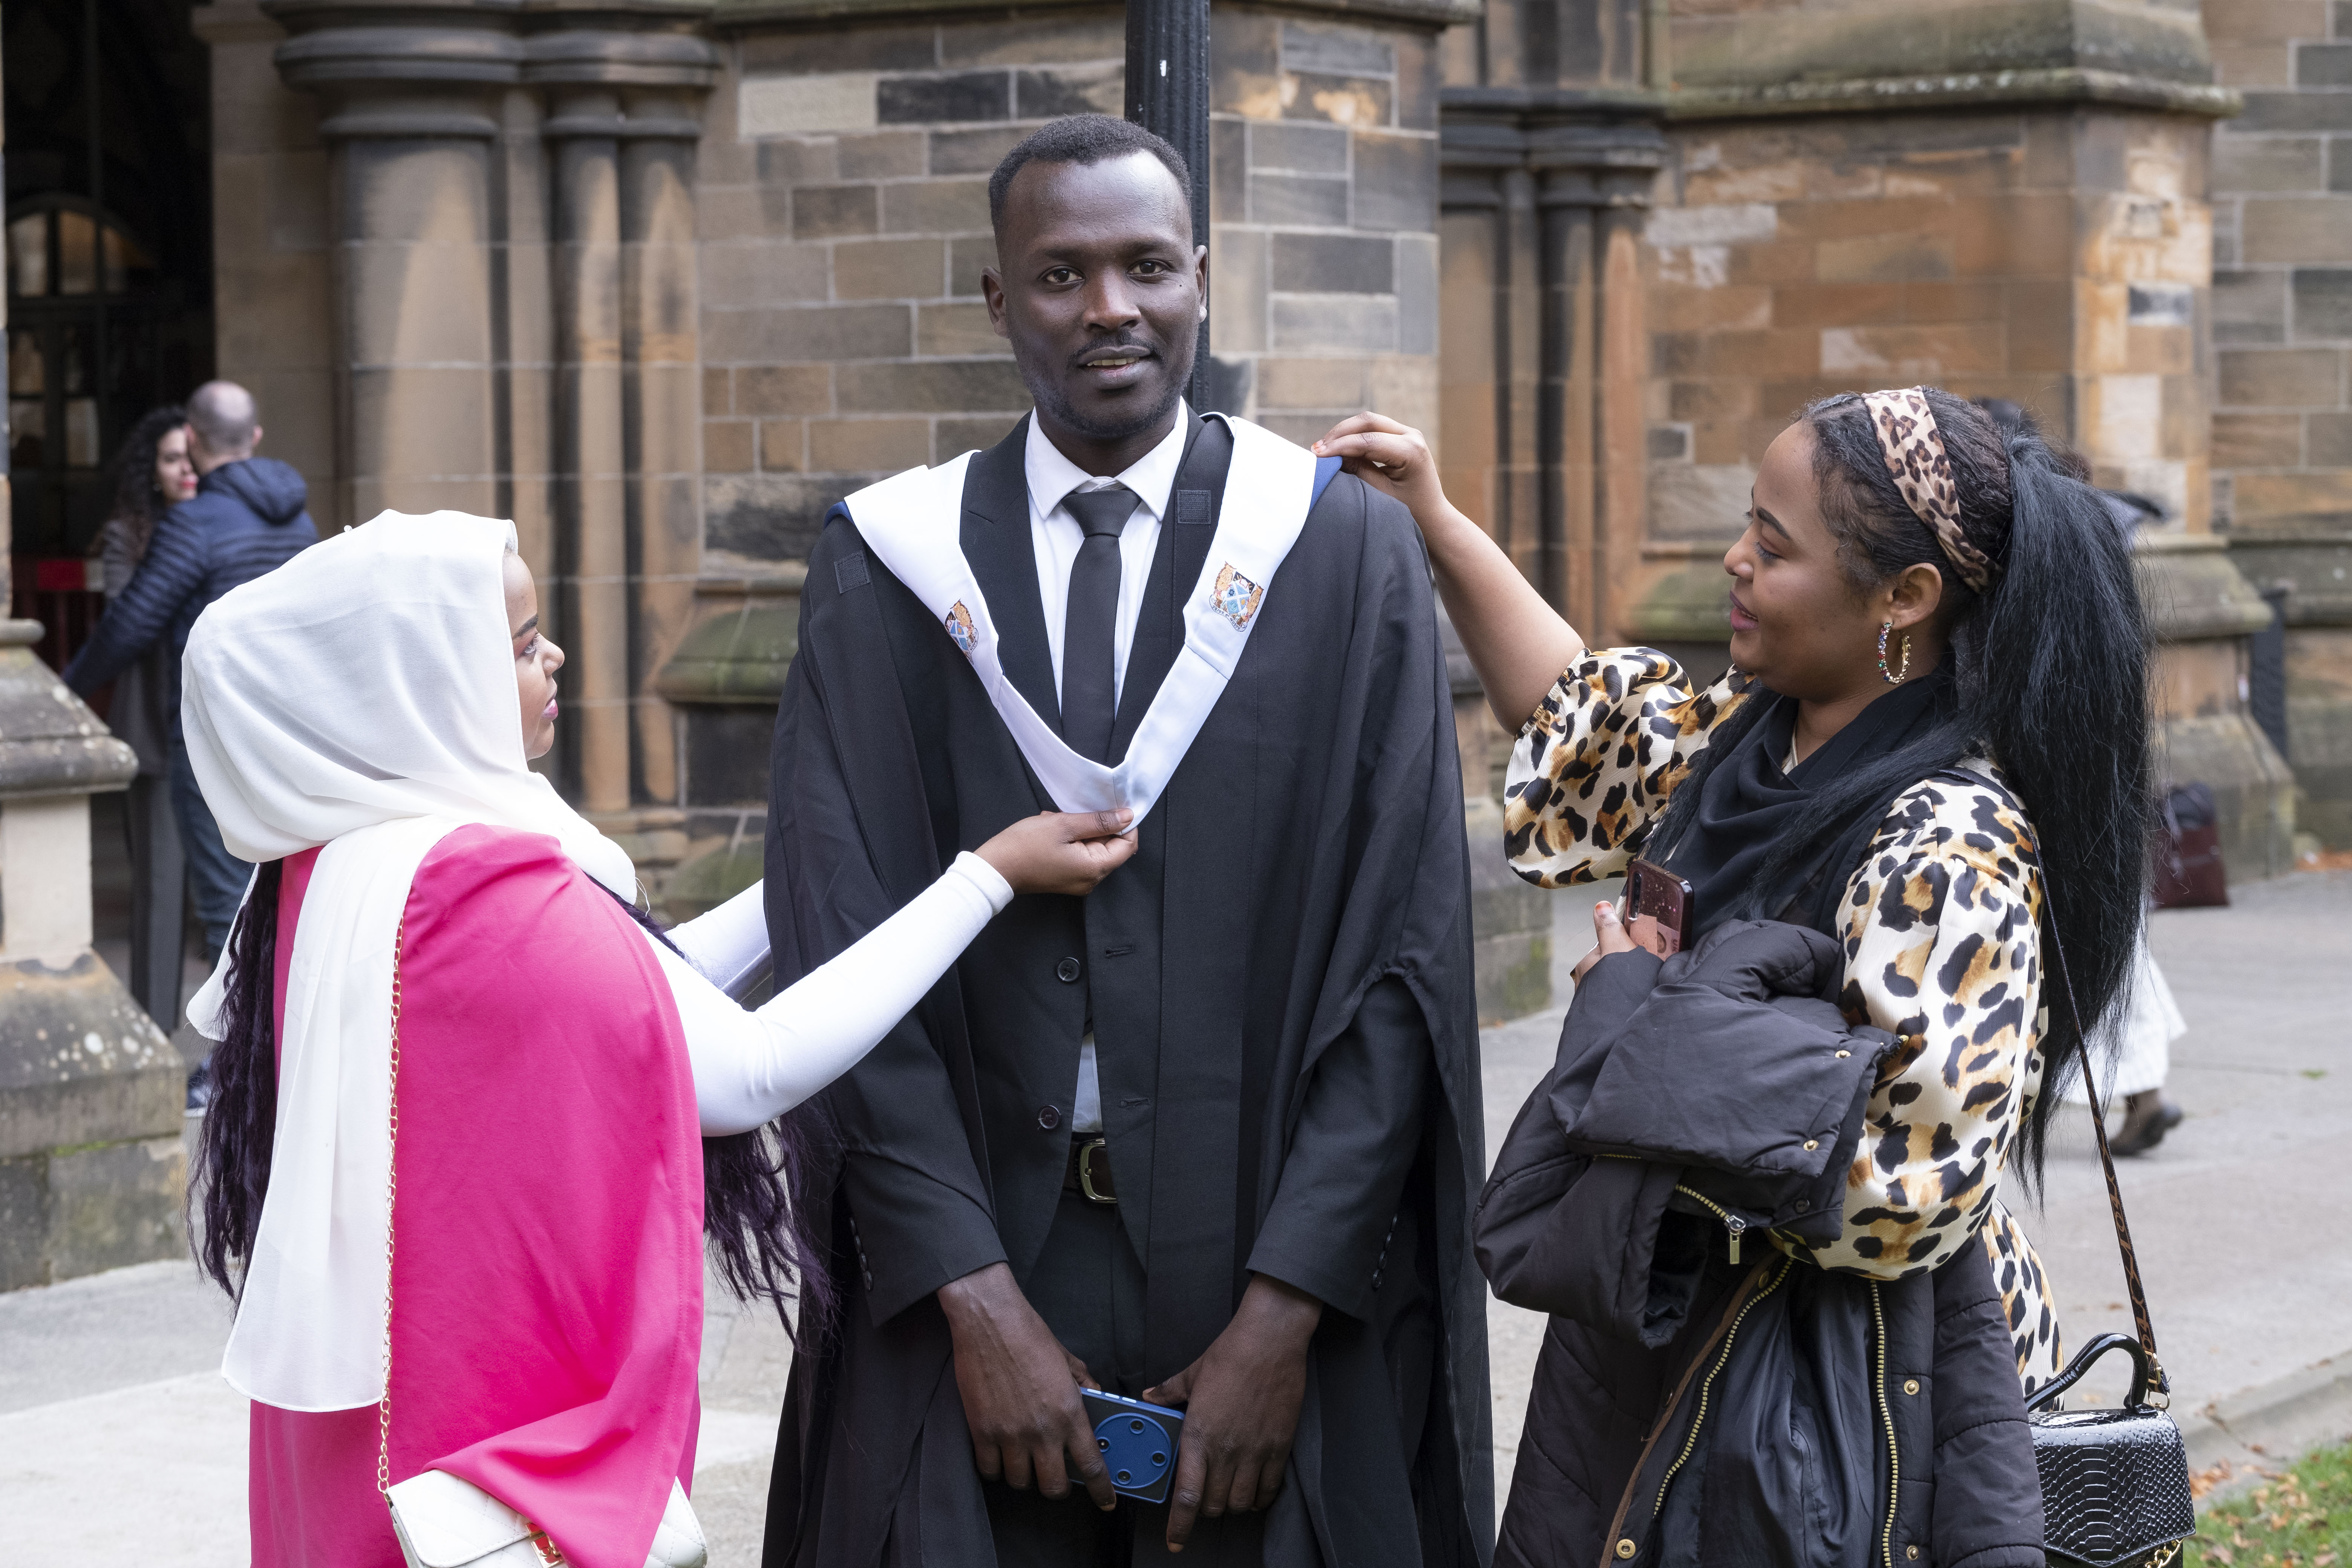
[{"x": 246, "y": 517}]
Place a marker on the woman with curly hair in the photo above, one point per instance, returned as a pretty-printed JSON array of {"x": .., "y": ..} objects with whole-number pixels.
[{"x": 152, "y": 473}]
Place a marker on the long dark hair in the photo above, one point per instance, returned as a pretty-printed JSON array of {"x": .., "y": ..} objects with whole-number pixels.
[
  {"x": 136, "y": 502},
  {"x": 2050, "y": 667},
  {"x": 750, "y": 1224}
]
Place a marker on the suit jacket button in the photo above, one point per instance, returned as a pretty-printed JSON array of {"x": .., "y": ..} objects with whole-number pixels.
[
  {"x": 1049, "y": 1117},
  {"x": 1066, "y": 972}
]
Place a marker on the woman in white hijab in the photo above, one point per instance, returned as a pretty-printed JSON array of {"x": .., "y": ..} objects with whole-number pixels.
[{"x": 455, "y": 1171}]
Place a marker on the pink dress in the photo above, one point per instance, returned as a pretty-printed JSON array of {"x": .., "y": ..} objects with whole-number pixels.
[{"x": 547, "y": 1265}]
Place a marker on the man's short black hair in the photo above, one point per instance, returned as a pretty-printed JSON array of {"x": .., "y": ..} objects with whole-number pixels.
[{"x": 1083, "y": 139}]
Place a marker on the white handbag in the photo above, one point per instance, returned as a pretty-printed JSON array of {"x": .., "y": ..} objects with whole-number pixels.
[{"x": 445, "y": 1521}]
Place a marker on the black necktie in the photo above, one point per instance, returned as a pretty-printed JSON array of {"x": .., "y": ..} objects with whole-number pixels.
[{"x": 1089, "y": 679}]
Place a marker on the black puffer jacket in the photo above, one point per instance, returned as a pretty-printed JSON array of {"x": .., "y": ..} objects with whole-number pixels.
[{"x": 1701, "y": 1397}]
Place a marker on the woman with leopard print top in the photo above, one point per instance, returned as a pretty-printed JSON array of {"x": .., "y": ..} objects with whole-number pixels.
[{"x": 1937, "y": 653}]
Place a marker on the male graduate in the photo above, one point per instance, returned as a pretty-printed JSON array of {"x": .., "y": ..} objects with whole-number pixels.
[{"x": 1208, "y": 1137}]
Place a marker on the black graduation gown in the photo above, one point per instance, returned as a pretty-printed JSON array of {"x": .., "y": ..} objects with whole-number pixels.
[{"x": 1280, "y": 985}]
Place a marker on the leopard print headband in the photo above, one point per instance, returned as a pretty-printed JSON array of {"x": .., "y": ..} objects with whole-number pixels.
[{"x": 1915, "y": 454}]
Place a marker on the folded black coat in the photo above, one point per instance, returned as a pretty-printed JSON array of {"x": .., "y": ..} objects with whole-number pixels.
[{"x": 1701, "y": 1397}]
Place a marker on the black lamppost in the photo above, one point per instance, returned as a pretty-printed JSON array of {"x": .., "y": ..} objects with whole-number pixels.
[{"x": 1167, "y": 94}]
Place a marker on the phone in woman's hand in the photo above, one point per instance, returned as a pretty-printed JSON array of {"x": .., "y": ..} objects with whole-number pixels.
[{"x": 1657, "y": 909}]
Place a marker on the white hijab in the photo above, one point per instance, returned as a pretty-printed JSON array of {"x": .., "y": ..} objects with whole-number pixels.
[{"x": 360, "y": 697}]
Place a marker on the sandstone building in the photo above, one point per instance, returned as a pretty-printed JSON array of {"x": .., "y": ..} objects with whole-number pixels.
[{"x": 659, "y": 278}]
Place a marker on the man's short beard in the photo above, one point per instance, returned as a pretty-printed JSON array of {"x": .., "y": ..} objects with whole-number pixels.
[{"x": 1056, "y": 407}]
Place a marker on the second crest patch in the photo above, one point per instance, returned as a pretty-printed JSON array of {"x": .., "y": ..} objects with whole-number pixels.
[{"x": 1236, "y": 597}]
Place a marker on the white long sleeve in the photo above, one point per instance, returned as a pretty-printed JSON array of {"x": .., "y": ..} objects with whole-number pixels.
[
  {"x": 751, "y": 1067},
  {"x": 730, "y": 944}
]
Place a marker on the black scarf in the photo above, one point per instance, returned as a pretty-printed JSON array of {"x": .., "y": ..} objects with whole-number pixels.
[{"x": 1746, "y": 802}]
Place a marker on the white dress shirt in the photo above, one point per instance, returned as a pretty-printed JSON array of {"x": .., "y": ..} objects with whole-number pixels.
[{"x": 1057, "y": 536}]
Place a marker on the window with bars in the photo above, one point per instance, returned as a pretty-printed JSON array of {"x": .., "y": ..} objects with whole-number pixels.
[{"x": 80, "y": 339}]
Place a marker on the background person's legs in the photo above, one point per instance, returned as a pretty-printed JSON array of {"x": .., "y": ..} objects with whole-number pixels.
[
  {"x": 216, "y": 878},
  {"x": 159, "y": 899},
  {"x": 216, "y": 881}
]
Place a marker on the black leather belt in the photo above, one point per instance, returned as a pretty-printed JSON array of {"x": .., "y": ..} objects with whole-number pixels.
[{"x": 1088, "y": 1172}]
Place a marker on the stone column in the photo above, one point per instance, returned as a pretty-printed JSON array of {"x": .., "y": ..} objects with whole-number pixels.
[
  {"x": 2314, "y": 564},
  {"x": 592, "y": 553},
  {"x": 90, "y": 1167},
  {"x": 1544, "y": 191},
  {"x": 412, "y": 95},
  {"x": 625, "y": 87},
  {"x": 515, "y": 299},
  {"x": 659, "y": 264}
]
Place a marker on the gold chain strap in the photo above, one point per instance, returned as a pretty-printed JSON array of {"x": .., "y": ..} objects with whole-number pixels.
[{"x": 391, "y": 1193}]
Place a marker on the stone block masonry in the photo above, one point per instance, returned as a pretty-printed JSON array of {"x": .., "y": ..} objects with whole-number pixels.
[
  {"x": 843, "y": 218},
  {"x": 2283, "y": 334},
  {"x": 2281, "y": 247},
  {"x": 2056, "y": 258}
]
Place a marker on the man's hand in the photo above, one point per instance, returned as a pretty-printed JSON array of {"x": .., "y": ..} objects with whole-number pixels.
[
  {"x": 1019, "y": 1389},
  {"x": 1240, "y": 1407}
]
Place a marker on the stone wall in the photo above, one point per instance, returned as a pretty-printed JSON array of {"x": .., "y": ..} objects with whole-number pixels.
[
  {"x": 2282, "y": 327},
  {"x": 272, "y": 289},
  {"x": 2057, "y": 254},
  {"x": 844, "y": 225},
  {"x": 2009, "y": 199},
  {"x": 2283, "y": 264},
  {"x": 2058, "y": 259}
]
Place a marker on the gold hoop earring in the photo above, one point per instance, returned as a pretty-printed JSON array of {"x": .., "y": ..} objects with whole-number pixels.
[{"x": 1894, "y": 676}]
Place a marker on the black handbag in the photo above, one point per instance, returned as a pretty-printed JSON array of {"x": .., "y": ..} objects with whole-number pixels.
[{"x": 2114, "y": 1482}]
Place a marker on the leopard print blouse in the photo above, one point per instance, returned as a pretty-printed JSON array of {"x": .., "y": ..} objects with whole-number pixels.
[{"x": 1941, "y": 947}]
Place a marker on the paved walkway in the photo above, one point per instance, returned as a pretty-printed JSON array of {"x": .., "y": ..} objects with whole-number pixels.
[{"x": 118, "y": 1440}]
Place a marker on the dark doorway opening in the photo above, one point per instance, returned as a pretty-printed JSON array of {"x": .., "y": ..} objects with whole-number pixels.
[{"x": 108, "y": 252}]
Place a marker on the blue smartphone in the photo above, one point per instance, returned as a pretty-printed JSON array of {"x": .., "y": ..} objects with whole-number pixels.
[{"x": 1138, "y": 1442}]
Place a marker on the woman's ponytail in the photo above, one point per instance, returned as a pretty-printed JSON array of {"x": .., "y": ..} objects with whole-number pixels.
[{"x": 2057, "y": 656}]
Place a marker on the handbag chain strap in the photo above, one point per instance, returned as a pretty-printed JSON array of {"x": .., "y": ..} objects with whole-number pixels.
[
  {"x": 390, "y": 1193},
  {"x": 2160, "y": 1385}
]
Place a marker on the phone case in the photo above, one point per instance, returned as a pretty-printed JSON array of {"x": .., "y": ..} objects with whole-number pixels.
[
  {"x": 1657, "y": 909},
  {"x": 1138, "y": 1442}
]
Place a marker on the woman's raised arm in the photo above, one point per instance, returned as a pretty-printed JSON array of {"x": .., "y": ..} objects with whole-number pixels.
[
  {"x": 752, "y": 1066},
  {"x": 1517, "y": 642}
]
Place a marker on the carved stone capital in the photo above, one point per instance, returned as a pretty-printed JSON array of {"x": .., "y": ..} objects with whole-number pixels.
[
  {"x": 1586, "y": 147},
  {"x": 737, "y": 15},
  {"x": 432, "y": 67}
]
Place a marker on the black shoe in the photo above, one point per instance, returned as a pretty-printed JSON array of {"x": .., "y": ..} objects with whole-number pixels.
[
  {"x": 2147, "y": 1117},
  {"x": 200, "y": 1087}
]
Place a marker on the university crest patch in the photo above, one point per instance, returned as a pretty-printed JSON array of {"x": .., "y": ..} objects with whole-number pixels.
[
  {"x": 1236, "y": 597},
  {"x": 959, "y": 627}
]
